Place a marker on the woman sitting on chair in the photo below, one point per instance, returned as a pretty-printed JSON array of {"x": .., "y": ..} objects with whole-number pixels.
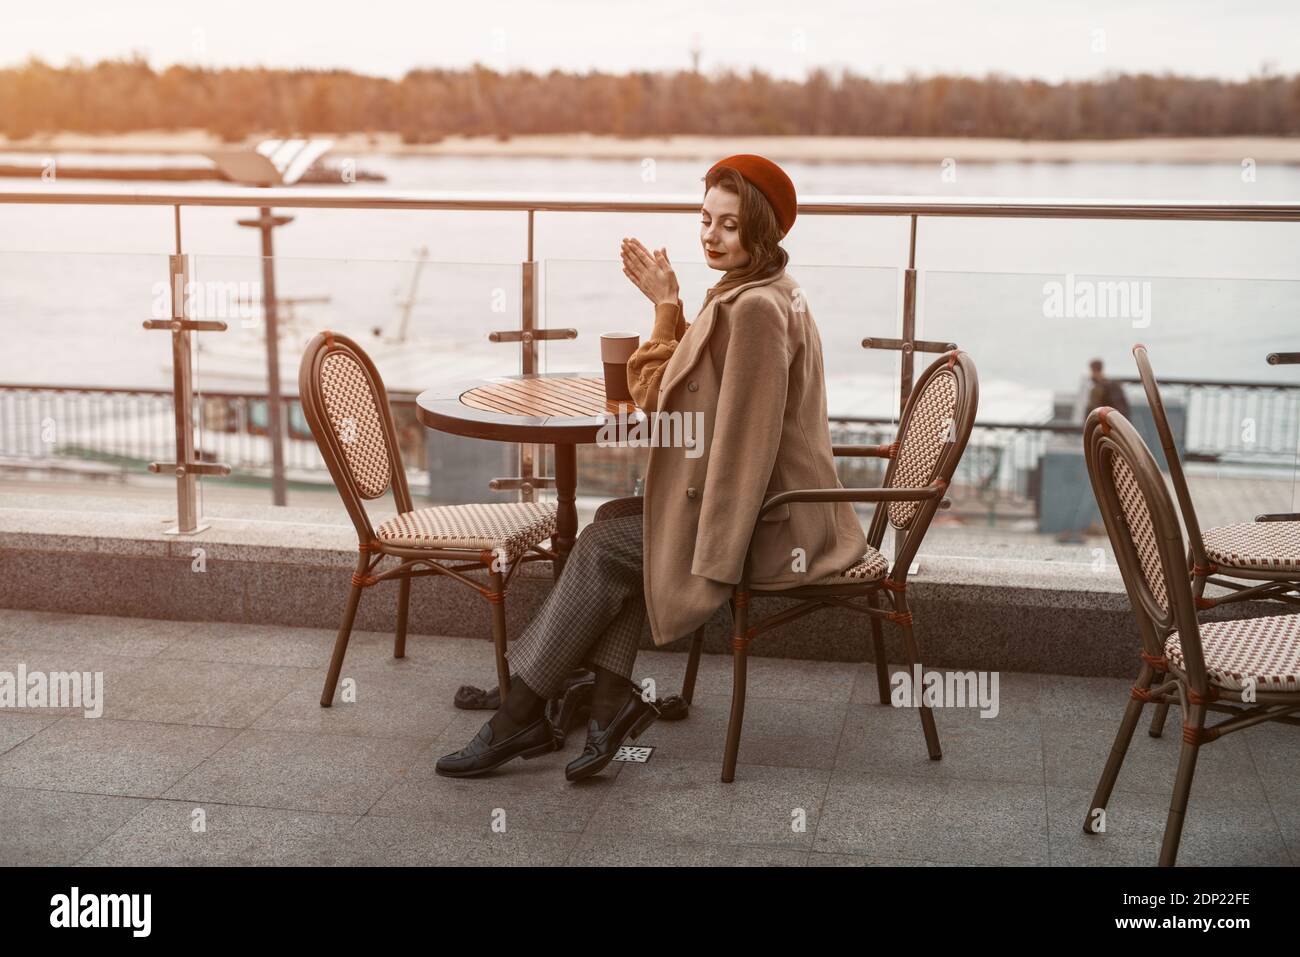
[{"x": 748, "y": 372}]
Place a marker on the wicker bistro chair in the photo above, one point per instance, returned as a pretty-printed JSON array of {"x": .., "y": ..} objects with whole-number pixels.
[
  {"x": 932, "y": 434},
  {"x": 346, "y": 406},
  {"x": 1254, "y": 560},
  {"x": 1263, "y": 556},
  {"x": 1249, "y": 669}
]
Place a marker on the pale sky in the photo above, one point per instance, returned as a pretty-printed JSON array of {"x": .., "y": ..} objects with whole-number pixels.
[{"x": 1049, "y": 39}]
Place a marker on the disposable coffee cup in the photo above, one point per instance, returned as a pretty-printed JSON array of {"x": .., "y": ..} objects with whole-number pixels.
[{"x": 615, "y": 349}]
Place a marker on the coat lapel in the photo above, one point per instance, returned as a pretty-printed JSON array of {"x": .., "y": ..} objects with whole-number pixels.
[{"x": 684, "y": 359}]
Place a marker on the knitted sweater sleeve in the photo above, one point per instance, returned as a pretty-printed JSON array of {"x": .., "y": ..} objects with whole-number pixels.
[{"x": 645, "y": 368}]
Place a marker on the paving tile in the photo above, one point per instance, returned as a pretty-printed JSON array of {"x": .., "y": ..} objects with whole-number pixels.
[
  {"x": 107, "y": 673},
  {"x": 46, "y": 631},
  {"x": 274, "y": 645},
  {"x": 942, "y": 819},
  {"x": 819, "y": 859},
  {"x": 1018, "y": 694},
  {"x": 406, "y": 702},
  {"x": 312, "y": 648},
  {"x": 336, "y": 774},
  {"x": 458, "y": 660},
  {"x": 164, "y": 834},
  {"x": 1075, "y": 752},
  {"x": 103, "y": 756},
  {"x": 17, "y": 728},
  {"x": 780, "y": 732},
  {"x": 1213, "y": 833},
  {"x": 1288, "y": 822},
  {"x": 1094, "y": 699},
  {"x": 395, "y": 842},
  {"x": 1276, "y": 758},
  {"x": 628, "y": 850},
  {"x": 43, "y": 828},
  {"x": 199, "y": 692},
  {"x": 890, "y": 740},
  {"x": 675, "y": 801}
]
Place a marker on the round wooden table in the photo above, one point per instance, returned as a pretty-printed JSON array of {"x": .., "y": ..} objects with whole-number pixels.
[{"x": 560, "y": 409}]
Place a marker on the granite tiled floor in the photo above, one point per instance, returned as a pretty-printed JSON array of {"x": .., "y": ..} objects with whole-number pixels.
[{"x": 213, "y": 749}]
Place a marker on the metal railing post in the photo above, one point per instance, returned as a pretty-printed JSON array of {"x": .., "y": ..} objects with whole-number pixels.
[
  {"x": 528, "y": 481},
  {"x": 908, "y": 345},
  {"x": 264, "y": 224},
  {"x": 528, "y": 344},
  {"x": 907, "y": 365},
  {"x": 187, "y": 506},
  {"x": 186, "y": 468}
]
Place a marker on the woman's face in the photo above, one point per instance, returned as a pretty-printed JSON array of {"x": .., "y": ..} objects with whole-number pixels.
[{"x": 720, "y": 230}]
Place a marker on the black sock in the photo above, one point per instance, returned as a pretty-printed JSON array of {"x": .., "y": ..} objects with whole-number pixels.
[
  {"x": 521, "y": 708},
  {"x": 610, "y": 694}
]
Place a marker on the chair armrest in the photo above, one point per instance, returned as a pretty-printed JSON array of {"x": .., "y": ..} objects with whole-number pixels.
[
  {"x": 934, "y": 490},
  {"x": 1279, "y": 517},
  {"x": 874, "y": 451}
]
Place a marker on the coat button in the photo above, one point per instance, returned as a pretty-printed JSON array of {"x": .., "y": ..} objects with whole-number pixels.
[
  {"x": 690, "y": 492},
  {"x": 693, "y": 386}
]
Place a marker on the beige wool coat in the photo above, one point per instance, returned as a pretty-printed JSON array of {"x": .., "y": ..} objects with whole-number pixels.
[{"x": 750, "y": 365}]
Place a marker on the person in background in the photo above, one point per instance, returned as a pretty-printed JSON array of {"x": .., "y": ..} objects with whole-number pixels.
[
  {"x": 1100, "y": 391},
  {"x": 1105, "y": 391}
]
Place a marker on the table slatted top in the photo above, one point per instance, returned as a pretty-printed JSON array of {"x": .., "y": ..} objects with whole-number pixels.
[
  {"x": 551, "y": 407},
  {"x": 551, "y": 396}
]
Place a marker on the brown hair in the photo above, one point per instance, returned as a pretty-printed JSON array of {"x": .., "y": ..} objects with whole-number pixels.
[{"x": 760, "y": 233}]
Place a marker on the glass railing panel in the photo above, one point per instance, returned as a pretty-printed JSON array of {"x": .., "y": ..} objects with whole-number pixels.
[
  {"x": 85, "y": 393},
  {"x": 424, "y": 324},
  {"x": 1022, "y": 489}
]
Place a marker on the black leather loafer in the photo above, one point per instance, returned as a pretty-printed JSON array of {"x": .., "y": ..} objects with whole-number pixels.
[
  {"x": 569, "y": 708},
  {"x": 603, "y": 743},
  {"x": 483, "y": 754}
]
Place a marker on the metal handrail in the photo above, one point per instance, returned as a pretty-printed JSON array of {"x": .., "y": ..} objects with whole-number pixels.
[{"x": 834, "y": 205}]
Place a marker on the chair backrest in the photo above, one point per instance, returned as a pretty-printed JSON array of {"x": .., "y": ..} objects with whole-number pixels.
[
  {"x": 932, "y": 434},
  {"x": 346, "y": 407},
  {"x": 1144, "y": 535},
  {"x": 1152, "y": 389}
]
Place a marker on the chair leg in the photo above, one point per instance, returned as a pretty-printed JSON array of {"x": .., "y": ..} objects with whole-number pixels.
[
  {"x": 914, "y": 660},
  {"x": 1195, "y": 719},
  {"x": 878, "y": 650},
  {"x": 497, "y": 599},
  {"x": 1162, "y": 710},
  {"x": 693, "y": 665},
  {"x": 1124, "y": 737},
  {"x": 340, "y": 647},
  {"x": 403, "y": 605},
  {"x": 740, "y": 652}
]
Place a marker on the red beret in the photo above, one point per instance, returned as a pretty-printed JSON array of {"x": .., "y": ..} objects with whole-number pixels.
[{"x": 770, "y": 180}]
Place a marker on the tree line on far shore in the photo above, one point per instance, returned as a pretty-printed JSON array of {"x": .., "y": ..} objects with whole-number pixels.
[{"x": 118, "y": 96}]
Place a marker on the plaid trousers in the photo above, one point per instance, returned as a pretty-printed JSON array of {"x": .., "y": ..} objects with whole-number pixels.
[{"x": 596, "y": 611}]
